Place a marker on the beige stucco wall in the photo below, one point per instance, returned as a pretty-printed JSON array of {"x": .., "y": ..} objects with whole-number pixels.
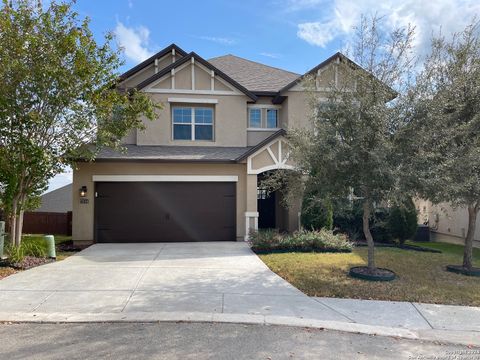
[
  {"x": 254, "y": 137},
  {"x": 445, "y": 220},
  {"x": 83, "y": 214},
  {"x": 298, "y": 113},
  {"x": 230, "y": 127}
]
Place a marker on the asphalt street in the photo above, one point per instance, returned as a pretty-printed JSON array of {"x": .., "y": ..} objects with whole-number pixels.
[{"x": 208, "y": 341}]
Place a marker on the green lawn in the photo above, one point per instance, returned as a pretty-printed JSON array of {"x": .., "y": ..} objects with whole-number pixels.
[
  {"x": 58, "y": 240},
  {"x": 421, "y": 275},
  {"x": 446, "y": 247}
]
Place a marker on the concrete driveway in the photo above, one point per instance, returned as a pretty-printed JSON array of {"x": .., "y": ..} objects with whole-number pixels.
[{"x": 159, "y": 277}]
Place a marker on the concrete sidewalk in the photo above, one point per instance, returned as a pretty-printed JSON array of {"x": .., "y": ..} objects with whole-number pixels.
[{"x": 205, "y": 282}]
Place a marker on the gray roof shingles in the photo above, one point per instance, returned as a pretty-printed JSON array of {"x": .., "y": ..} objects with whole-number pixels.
[
  {"x": 172, "y": 153},
  {"x": 252, "y": 75},
  {"x": 59, "y": 200}
]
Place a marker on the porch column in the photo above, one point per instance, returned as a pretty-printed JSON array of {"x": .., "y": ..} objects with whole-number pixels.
[{"x": 251, "y": 213}]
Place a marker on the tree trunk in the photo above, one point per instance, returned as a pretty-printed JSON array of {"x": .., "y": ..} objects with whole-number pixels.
[
  {"x": 468, "y": 249},
  {"x": 19, "y": 228},
  {"x": 13, "y": 223},
  {"x": 368, "y": 234}
]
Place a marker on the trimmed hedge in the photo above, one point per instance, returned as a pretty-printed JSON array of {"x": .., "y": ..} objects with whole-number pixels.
[{"x": 307, "y": 241}]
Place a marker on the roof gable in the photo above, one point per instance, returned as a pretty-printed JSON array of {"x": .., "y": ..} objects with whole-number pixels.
[
  {"x": 151, "y": 60},
  {"x": 201, "y": 61},
  {"x": 324, "y": 64}
]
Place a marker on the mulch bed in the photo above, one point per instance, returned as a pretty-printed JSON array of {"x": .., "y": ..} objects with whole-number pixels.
[
  {"x": 28, "y": 262},
  {"x": 7, "y": 271},
  {"x": 299, "y": 250},
  {"x": 68, "y": 246},
  {"x": 376, "y": 274},
  {"x": 403, "y": 247},
  {"x": 459, "y": 269}
]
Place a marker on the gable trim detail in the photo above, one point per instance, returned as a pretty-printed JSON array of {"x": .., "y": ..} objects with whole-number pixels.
[
  {"x": 173, "y": 48},
  {"x": 192, "y": 58}
]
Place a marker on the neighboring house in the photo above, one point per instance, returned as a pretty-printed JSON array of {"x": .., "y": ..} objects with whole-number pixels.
[
  {"x": 446, "y": 223},
  {"x": 54, "y": 216},
  {"x": 57, "y": 201},
  {"x": 193, "y": 174}
]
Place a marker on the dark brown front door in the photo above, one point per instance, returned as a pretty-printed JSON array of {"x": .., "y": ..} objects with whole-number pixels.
[
  {"x": 266, "y": 210},
  {"x": 164, "y": 212}
]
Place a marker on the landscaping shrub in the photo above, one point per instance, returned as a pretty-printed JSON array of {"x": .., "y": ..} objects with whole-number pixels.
[
  {"x": 379, "y": 226},
  {"x": 317, "y": 240},
  {"x": 265, "y": 239},
  {"x": 348, "y": 219},
  {"x": 402, "y": 221},
  {"x": 316, "y": 213},
  {"x": 33, "y": 248}
]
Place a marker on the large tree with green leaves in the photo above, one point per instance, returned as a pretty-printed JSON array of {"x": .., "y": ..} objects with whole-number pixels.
[
  {"x": 58, "y": 99},
  {"x": 348, "y": 152},
  {"x": 443, "y": 134}
]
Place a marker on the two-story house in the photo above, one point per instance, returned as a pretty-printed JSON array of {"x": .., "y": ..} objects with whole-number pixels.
[{"x": 193, "y": 174}]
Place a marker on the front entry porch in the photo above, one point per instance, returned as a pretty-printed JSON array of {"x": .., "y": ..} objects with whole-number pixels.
[{"x": 266, "y": 210}]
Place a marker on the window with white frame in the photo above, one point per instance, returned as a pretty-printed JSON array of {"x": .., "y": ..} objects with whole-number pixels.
[
  {"x": 192, "y": 123},
  {"x": 263, "y": 117},
  {"x": 272, "y": 120},
  {"x": 255, "y": 118}
]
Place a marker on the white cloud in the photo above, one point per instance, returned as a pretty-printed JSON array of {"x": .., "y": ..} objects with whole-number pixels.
[
  {"x": 134, "y": 41},
  {"x": 336, "y": 20},
  {"x": 218, "y": 40},
  {"x": 271, "y": 55},
  {"x": 130, "y": 4}
]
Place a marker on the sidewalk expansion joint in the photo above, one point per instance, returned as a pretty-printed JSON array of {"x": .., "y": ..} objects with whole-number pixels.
[
  {"x": 423, "y": 316},
  {"x": 338, "y": 312}
]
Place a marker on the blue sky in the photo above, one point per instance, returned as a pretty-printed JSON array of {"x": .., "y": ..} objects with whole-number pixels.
[{"x": 294, "y": 35}]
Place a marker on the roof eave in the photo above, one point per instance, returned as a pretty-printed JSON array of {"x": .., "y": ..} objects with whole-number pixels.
[
  {"x": 261, "y": 144},
  {"x": 151, "y": 59}
]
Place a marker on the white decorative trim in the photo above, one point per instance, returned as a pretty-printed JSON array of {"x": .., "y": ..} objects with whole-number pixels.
[
  {"x": 280, "y": 163},
  {"x": 271, "y": 167},
  {"x": 272, "y": 155},
  {"x": 193, "y": 73},
  {"x": 197, "y": 92},
  {"x": 193, "y": 100},
  {"x": 264, "y": 106},
  {"x": 249, "y": 215},
  {"x": 264, "y": 129},
  {"x": 165, "y": 178}
]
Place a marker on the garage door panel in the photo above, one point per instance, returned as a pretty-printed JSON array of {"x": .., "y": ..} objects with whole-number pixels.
[{"x": 151, "y": 212}]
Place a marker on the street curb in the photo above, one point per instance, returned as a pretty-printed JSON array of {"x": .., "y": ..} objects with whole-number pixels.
[{"x": 444, "y": 336}]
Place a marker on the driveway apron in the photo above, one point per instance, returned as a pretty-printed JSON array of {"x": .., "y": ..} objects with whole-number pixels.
[{"x": 208, "y": 277}]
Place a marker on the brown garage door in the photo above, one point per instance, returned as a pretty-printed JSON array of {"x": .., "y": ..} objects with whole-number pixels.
[{"x": 158, "y": 211}]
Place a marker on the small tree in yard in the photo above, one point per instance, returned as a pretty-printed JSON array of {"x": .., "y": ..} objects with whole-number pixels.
[
  {"x": 349, "y": 151},
  {"x": 58, "y": 100},
  {"x": 444, "y": 128}
]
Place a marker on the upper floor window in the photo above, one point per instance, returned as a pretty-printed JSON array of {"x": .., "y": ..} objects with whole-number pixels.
[
  {"x": 263, "y": 117},
  {"x": 192, "y": 123},
  {"x": 272, "y": 118},
  {"x": 255, "y": 120}
]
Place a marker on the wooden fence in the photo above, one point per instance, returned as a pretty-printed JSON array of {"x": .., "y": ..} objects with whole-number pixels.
[{"x": 47, "y": 223}]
